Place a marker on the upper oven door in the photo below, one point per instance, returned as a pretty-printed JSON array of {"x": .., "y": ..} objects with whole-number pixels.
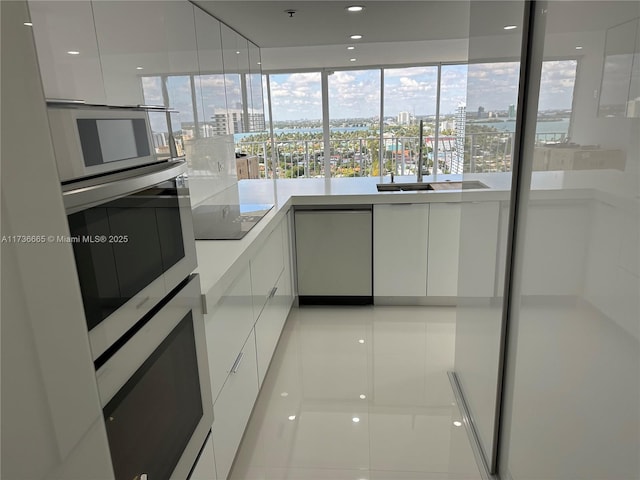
[
  {"x": 92, "y": 141},
  {"x": 133, "y": 243}
]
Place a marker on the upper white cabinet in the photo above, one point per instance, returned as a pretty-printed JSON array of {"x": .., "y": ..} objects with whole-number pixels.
[
  {"x": 400, "y": 234},
  {"x": 444, "y": 235},
  {"x": 180, "y": 34},
  {"x": 254, "y": 87},
  {"x": 68, "y": 50},
  {"x": 210, "y": 87},
  {"x": 131, "y": 39},
  {"x": 235, "y": 54}
]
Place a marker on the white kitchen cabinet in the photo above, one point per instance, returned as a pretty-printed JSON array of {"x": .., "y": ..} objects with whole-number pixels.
[
  {"x": 266, "y": 267},
  {"x": 205, "y": 467},
  {"x": 274, "y": 315},
  {"x": 400, "y": 235},
  {"x": 478, "y": 245},
  {"x": 233, "y": 407},
  {"x": 60, "y": 28},
  {"x": 269, "y": 325},
  {"x": 444, "y": 236},
  {"x": 227, "y": 327},
  {"x": 210, "y": 83},
  {"x": 140, "y": 39}
]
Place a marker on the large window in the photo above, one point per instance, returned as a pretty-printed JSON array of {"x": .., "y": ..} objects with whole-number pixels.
[
  {"x": 354, "y": 120},
  {"x": 410, "y": 96},
  {"x": 296, "y": 106},
  {"x": 469, "y": 131}
]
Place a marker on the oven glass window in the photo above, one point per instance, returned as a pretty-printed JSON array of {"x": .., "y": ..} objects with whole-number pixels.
[
  {"x": 122, "y": 246},
  {"x": 112, "y": 139},
  {"x": 151, "y": 419}
]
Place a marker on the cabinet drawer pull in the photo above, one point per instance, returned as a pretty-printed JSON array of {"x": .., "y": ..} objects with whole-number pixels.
[
  {"x": 236, "y": 364},
  {"x": 272, "y": 292}
]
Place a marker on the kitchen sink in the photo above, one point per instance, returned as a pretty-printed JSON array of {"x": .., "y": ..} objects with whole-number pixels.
[{"x": 430, "y": 186}]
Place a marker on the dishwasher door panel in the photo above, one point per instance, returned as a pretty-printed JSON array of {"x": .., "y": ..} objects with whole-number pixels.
[{"x": 334, "y": 254}]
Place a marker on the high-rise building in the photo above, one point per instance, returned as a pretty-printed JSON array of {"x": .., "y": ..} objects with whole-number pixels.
[
  {"x": 512, "y": 111},
  {"x": 232, "y": 120},
  {"x": 457, "y": 161},
  {"x": 481, "y": 112},
  {"x": 404, "y": 118}
]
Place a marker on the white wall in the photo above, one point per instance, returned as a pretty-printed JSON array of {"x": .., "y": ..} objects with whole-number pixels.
[{"x": 52, "y": 423}]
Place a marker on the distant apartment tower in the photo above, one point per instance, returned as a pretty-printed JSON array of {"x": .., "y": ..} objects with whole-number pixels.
[
  {"x": 159, "y": 140},
  {"x": 237, "y": 120},
  {"x": 457, "y": 161},
  {"x": 404, "y": 118},
  {"x": 481, "y": 112},
  {"x": 512, "y": 111}
]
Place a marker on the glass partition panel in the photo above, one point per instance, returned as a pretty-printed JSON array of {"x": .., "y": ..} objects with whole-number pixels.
[
  {"x": 572, "y": 391},
  {"x": 484, "y": 134}
]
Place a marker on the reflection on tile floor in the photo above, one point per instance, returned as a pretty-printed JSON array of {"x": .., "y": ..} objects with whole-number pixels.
[{"x": 359, "y": 393}]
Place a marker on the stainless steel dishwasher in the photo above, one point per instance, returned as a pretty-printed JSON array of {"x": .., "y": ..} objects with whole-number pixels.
[{"x": 334, "y": 255}]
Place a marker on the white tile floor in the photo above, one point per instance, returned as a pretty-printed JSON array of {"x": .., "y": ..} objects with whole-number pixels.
[{"x": 359, "y": 393}]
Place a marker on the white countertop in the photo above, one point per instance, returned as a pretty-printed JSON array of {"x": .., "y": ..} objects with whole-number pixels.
[{"x": 220, "y": 261}]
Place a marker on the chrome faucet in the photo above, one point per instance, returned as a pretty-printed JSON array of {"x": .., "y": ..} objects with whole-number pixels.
[{"x": 420, "y": 154}]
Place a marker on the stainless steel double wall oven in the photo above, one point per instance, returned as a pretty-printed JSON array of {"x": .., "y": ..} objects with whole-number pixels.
[{"x": 131, "y": 231}]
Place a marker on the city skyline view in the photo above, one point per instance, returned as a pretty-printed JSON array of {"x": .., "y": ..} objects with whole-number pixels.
[{"x": 356, "y": 93}]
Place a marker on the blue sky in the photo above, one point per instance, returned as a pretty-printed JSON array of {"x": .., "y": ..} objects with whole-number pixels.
[{"x": 356, "y": 93}]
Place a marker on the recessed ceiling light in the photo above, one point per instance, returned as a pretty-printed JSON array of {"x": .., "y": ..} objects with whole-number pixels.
[
  {"x": 259, "y": 63},
  {"x": 355, "y": 8},
  {"x": 355, "y": 419},
  {"x": 510, "y": 27},
  {"x": 357, "y": 36},
  {"x": 362, "y": 339},
  {"x": 351, "y": 47},
  {"x": 28, "y": 24},
  {"x": 139, "y": 68},
  {"x": 579, "y": 47},
  {"x": 363, "y": 396},
  {"x": 73, "y": 52},
  {"x": 457, "y": 424},
  {"x": 237, "y": 52},
  {"x": 284, "y": 394},
  {"x": 292, "y": 417},
  {"x": 353, "y": 60}
]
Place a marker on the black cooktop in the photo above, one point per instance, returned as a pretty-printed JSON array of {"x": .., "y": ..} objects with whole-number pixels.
[{"x": 227, "y": 222}]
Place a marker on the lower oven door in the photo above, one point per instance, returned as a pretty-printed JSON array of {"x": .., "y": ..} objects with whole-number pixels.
[{"x": 156, "y": 393}]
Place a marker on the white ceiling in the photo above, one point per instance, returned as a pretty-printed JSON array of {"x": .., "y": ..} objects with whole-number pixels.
[
  {"x": 396, "y": 32},
  {"x": 328, "y": 23}
]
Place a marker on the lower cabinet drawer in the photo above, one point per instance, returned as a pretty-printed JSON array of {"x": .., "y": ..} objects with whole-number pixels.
[
  {"x": 233, "y": 407},
  {"x": 227, "y": 327},
  {"x": 269, "y": 326}
]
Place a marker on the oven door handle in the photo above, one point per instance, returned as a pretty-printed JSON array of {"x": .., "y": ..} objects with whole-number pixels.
[{"x": 82, "y": 195}]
